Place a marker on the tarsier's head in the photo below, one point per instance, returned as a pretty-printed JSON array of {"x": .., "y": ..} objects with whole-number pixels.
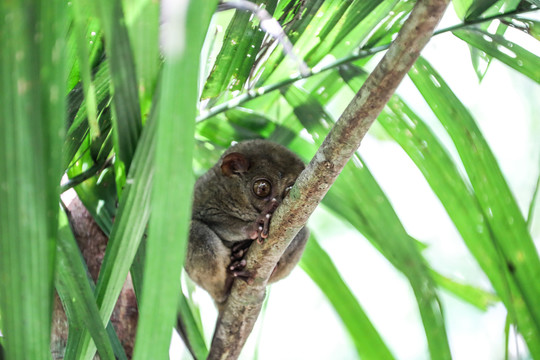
[{"x": 265, "y": 169}]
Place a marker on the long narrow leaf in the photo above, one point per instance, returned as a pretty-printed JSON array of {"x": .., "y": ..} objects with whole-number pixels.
[
  {"x": 142, "y": 19},
  {"x": 77, "y": 105},
  {"x": 172, "y": 187},
  {"x": 93, "y": 40},
  {"x": 357, "y": 21},
  {"x": 510, "y": 234},
  {"x": 376, "y": 219},
  {"x": 237, "y": 55},
  {"x": 128, "y": 228},
  {"x": 98, "y": 196},
  {"x": 32, "y": 113},
  {"x": 444, "y": 178},
  {"x": 506, "y": 51},
  {"x": 192, "y": 331},
  {"x": 85, "y": 68},
  {"x": 478, "y": 7},
  {"x": 302, "y": 18},
  {"x": 481, "y": 299},
  {"x": 480, "y": 59},
  {"x": 387, "y": 30},
  {"x": 127, "y": 113}
]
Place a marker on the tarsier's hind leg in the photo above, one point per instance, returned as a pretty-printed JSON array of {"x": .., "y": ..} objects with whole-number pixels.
[{"x": 207, "y": 260}]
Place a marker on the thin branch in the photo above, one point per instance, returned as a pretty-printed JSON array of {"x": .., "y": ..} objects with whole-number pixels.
[
  {"x": 483, "y": 20},
  {"x": 244, "y": 303},
  {"x": 85, "y": 175},
  {"x": 356, "y": 55}
]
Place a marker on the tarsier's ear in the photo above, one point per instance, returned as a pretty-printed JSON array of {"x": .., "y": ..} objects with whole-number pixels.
[{"x": 234, "y": 163}]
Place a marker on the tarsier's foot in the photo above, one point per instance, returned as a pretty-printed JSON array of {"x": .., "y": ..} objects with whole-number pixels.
[{"x": 237, "y": 266}]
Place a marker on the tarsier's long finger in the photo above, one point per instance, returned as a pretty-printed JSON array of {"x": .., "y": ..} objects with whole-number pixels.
[
  {"x": 263, "y": 221},
  {"x": 237, "y": 265},
  {"x": 266, "y": 226},
  {"x": 244, "y": 275}
]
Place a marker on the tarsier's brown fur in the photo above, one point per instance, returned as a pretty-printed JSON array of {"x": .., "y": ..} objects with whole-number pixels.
[{"x": 233, "y": 204}]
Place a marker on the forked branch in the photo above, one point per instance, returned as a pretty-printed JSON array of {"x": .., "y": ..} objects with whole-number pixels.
[{"x": 244, "y": 303}]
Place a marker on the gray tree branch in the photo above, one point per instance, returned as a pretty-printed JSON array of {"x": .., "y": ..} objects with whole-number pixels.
[{"x": 245, "y": 301}]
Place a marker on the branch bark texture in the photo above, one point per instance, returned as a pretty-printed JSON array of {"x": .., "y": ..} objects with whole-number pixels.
[{"x": 244, "y": 303}]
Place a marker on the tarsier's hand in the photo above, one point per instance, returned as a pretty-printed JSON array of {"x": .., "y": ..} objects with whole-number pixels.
[{"x": 261, "y": 227}]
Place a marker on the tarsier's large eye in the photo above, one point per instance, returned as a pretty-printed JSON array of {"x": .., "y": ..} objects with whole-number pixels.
[{"x": 262, "y": 188}]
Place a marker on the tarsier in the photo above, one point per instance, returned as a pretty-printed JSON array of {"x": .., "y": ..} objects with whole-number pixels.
[{"x": 232, "y": 206}]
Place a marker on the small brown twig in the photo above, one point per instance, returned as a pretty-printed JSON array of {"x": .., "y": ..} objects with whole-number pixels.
[{"x": 245, "y": 301}]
